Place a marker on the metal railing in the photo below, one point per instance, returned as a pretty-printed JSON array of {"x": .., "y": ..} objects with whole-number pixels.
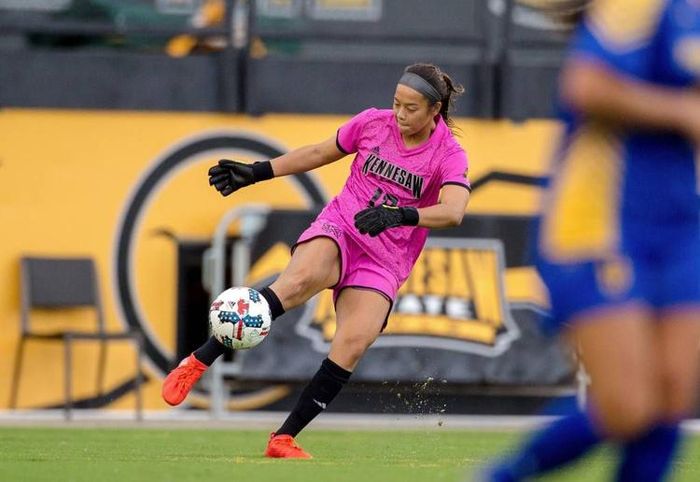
[
  {"x": 236, "y": 71},
  {"x": 252, "y": 219}
]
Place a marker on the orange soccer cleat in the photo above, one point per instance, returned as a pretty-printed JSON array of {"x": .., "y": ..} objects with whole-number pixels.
[
  {"x": 180, "y": 381},
  {"x": 284, "y": 447}
]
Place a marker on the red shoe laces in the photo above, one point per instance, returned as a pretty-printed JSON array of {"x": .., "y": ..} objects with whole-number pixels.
[{"x": 188, "y": 373}]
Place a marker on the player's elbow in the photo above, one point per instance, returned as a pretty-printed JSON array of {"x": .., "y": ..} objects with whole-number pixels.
[{"x": 455, "y": 218}]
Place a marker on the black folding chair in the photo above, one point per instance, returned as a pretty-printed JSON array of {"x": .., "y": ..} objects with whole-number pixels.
[{"x": 57, "y": 284}]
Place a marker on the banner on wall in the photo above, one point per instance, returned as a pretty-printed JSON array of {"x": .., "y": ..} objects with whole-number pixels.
[{"x": 452, "y": 319}]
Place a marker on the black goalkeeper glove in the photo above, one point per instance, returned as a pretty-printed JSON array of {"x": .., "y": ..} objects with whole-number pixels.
[
  {"x": 375, "y": 220},
  {"x": 229, "y": 176}
]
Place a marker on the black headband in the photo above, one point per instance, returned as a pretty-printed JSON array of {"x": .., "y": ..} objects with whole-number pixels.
[{"x": 418, "y": 83}]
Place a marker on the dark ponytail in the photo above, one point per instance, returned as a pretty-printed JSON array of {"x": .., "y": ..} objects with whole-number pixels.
[
  {"x": 453, "y": 91},
  {"x": 446, "y": 87}
]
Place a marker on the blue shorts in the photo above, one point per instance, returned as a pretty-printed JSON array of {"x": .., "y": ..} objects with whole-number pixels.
[{"x": 659, "y": 273}]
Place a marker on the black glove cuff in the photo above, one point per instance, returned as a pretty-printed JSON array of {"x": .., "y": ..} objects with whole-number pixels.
[
  {"x": 410, "y": 216},
  {"x": 262, "y": 171}
]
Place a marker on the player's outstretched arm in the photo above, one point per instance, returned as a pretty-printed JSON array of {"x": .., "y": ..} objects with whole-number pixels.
[
  {"x": 229, "y": 176},
  {"x": 307, "y": 158}
]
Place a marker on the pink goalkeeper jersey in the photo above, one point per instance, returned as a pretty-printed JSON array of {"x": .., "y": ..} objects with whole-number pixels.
[{"x": 384, "y": 171}]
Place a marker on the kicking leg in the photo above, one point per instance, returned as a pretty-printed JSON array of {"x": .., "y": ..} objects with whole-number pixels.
[{"x": 315, "y": 265}]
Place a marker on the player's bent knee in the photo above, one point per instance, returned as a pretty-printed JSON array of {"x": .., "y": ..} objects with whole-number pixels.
[
  {"x": 298, "y": 286},
  {"x": 354, "y": 346}
]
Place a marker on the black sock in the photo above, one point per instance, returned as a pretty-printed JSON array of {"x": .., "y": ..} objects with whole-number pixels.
[
  {"x": 210, "y": 351},
  {"x": 320, "y": 391},
  {"x": 275, "y": 304}
]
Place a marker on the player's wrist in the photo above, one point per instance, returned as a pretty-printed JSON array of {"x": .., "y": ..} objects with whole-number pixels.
[
  {"x": 262, "y": 171},
  {"x": 410, "y": 216}
]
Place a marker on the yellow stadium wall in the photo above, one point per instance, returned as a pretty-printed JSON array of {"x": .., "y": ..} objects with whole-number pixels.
[{"x": 66, "y": 178}]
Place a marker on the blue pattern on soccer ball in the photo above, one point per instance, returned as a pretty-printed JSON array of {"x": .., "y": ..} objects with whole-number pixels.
[
  {"x": 227, "y": 341},
  {"x": 253, "y": 295},
  {"x": 248, "y": 320}
]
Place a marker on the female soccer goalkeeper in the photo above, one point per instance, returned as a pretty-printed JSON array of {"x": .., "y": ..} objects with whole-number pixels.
[{"x": 408, "y": 175}]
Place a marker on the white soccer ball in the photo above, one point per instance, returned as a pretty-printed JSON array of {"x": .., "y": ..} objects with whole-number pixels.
[{"x": 240, "y": 318}]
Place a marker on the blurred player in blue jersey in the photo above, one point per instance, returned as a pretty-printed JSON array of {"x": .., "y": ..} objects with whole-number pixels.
[{"x": 619, "y": 238}]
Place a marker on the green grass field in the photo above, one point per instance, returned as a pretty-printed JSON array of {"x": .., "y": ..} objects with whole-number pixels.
[{"x": 121, "y": 455}]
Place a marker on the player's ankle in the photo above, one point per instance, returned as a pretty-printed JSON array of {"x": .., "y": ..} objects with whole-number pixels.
[{"x": 209, "y": 351}]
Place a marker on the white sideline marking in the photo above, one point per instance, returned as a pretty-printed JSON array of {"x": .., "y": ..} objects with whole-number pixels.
[{"x": 187, "y": 419}]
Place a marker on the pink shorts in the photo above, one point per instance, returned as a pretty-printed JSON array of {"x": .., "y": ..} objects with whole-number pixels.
[{"x": 357, "y": 268}]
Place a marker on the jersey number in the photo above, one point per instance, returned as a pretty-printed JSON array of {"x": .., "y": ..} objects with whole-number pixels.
[{"x": 389, "y": 199}]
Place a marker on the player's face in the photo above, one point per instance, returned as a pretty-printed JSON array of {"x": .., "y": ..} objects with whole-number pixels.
[{"x": 412, "y": 111}]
